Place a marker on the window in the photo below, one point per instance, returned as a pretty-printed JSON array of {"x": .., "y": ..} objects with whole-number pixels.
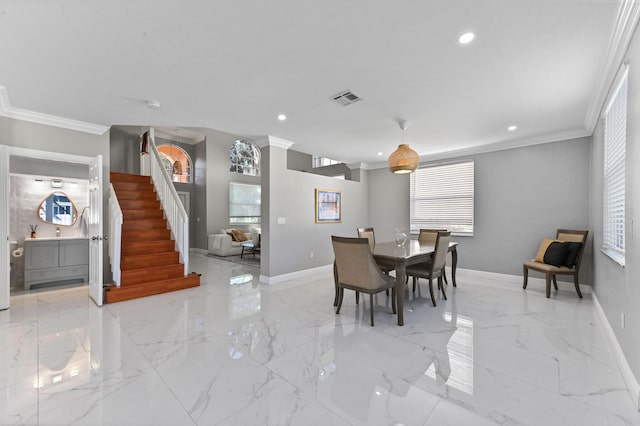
[
  {"x": 177, "y": 162},
  {"x": 615, "y": 141},
  {"x": 323, "y": 162},
  {"x": 244, "y": 157},
  {"x": 244, "y": 203},
  {"x": 441, "y": 197}
]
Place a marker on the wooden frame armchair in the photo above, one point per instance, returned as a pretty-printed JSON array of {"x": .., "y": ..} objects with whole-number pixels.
[{"x": 550, "y": 271}]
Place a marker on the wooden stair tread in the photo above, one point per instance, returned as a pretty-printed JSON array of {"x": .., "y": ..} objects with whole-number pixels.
[
  {"x": 145, "y": 261},
  {"x": 149, "y": 261},
  {"x": 150, "y": 223},
  {"x": 132, "y": 214},
  {"x": 146, "y": 235},
  {"x": 118, "y": 294},
  {"x": 128, "y": 177},
  {"x": 133, "y": 248},
  {"x": 132, "y": 195},
  {"x": 153, "y": 273}
]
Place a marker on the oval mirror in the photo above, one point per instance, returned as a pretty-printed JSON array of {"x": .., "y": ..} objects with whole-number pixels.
[{"x": 58, "y": 209}]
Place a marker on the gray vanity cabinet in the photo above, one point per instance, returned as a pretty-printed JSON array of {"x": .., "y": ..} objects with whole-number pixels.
[{"x": 56, "y": 260}]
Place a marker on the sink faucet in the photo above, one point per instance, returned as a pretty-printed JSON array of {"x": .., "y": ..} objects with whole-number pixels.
[{"x": 57, "y": 232}]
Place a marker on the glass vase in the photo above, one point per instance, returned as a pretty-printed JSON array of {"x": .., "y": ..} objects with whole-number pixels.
[{"x": 401, "y": 237}]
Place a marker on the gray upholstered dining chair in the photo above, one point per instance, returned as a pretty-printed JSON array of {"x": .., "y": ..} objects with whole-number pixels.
[
  {"x": 429, "y": 236},
  {"x": 370, "y": 235},
  {"x": 357, "y": 270},
  {"x": 434, "y": 267}
]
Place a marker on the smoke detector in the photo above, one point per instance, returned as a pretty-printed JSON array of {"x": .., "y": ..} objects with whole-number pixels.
[{"x": 152, "y": 104}]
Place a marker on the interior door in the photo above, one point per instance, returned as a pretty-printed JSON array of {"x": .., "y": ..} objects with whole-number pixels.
[
  {"x": 96, "y": 236},
  {"x": 5, "y": 285}
]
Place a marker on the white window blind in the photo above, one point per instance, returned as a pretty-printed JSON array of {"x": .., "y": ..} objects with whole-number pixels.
[
  {"x": 244, "y": 203},
  {"x": 615, "y": 141},
  {"x": 441, "y": 197}
]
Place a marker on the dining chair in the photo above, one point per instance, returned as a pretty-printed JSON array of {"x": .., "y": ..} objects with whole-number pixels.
[
  {"x": 370, "y": 235},
  {"x": 571, "y": 250},
  {"x": 434, "y": 267},
  {"x": 429, "y": 236},
  {"x": 357, "y": 270}
]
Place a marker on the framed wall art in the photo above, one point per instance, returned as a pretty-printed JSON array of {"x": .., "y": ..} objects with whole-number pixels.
[{"x": 328, "y": 206}]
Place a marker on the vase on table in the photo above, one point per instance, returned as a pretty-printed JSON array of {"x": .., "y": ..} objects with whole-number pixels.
[{"x": 401, "y": 237}]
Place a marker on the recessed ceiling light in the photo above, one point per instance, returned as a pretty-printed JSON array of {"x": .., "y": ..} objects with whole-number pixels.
[
  {"x": 466, "y": 38},
  {"x": 381, "y": 153},
  {"x": 512, "y": 128},
  {"x": 152, "y": 104},
  {"x": 282, "y": 117}
]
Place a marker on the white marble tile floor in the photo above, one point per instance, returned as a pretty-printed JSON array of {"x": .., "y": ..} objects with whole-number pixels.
[{"x": 236, "y": 352}]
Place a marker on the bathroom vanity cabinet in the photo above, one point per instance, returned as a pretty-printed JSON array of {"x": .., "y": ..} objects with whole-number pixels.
[{"x": 55, "y": 260}]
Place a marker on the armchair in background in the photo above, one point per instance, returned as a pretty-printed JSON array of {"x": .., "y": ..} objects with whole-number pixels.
[{"x": 561, "y": 256}]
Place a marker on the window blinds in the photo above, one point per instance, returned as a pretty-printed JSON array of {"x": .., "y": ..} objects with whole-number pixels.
[
  {"x": 441, "y": 197},
  {"x": 615, "y": 140},
  {"x": 244, "y": 203}
]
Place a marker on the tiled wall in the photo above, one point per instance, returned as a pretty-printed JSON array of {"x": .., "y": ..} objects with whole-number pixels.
[{"x": 25, "y": 197}]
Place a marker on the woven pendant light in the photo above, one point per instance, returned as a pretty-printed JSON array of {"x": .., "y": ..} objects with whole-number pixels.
[{"x": 404, "y": 159}]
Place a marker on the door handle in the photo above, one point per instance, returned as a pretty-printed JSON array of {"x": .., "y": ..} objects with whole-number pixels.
[{"x": 94, "y": 238}]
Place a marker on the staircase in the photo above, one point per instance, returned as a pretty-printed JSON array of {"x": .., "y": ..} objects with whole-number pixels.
[{"x": 149, "y": 262}]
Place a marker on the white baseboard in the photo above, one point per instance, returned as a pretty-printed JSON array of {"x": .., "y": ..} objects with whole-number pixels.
[
  {"x": 630, "y": 379},
  {"x": 508, "y": 279},
  {"x": 276, "y": 279},
  {"x": 632, "y": 383}
]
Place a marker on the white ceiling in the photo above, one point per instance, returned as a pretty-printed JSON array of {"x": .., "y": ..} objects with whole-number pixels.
[{"x": 543, "y": 65}]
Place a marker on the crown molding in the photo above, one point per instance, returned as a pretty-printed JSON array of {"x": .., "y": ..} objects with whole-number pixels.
[
  {"x": 498, "y": 146},
  {"x": 278, "y": 143},
  {"x": 625, "y": 25},
  {"x": 6, "y": 110}
]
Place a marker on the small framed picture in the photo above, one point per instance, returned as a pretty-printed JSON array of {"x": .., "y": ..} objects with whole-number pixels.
[{"x": 328, "y": 206}]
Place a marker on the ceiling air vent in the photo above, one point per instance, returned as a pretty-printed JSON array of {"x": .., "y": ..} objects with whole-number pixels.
[{"x": 346, "y": 98}]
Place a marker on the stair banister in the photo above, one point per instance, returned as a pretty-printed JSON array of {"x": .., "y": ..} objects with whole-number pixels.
[
  {"x": 171, "y": 204},
  {"x": 115, "y": 234}
]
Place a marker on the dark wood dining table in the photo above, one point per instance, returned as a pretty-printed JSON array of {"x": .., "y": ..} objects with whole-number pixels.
[{"x": 399, "y": 257}]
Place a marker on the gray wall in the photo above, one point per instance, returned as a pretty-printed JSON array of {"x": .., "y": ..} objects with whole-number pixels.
[
  {"x": 388, "y": 203},
  {"x": 25, "y": 134},
  {"x": 300, "y": 161},
  {"x": 290, "y": 194},
  {"x": 199, "y": 198},
  {"x": 125, "y": 158},
  {"x": 218, "y": 177},
  {"x": 195, "y": 227},
  {"x": 521, "y": 196},
  {"x": 124, "y": 149},
  {"x": 304, "y": 163},
  {"x": 617, "y": 287}
]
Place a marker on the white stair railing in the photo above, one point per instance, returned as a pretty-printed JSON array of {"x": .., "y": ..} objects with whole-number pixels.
[
  {"x": 171, "y": 204},
  {"x": 115, "y": 234}
]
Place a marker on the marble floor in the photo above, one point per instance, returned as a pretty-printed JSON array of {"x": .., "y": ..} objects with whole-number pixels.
[{"x": 235, "y": 352}]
